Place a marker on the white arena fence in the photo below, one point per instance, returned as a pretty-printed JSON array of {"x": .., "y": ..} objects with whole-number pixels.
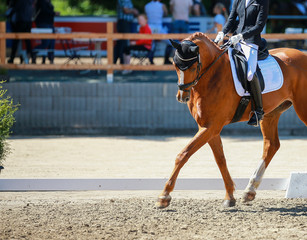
[{"x": 132, "y": 184}]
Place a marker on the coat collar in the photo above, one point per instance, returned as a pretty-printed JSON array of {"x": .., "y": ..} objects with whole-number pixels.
[{"x": 250, "y": 2}]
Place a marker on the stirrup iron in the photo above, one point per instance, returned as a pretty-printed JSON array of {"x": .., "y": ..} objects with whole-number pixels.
[{"x": 254, "y": 120}]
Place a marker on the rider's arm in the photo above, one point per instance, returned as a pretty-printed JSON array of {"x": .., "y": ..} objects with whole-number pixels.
[
  {"x": 260, "y": 23},
  {"x": 231, "y": 21}
]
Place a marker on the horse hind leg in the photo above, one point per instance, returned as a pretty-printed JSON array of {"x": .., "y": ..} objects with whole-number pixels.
[
  {"x": 271, "y": 144},
  {"x": 217, "y": 149},
  {"x": 300, "y": 97},
  {"x": 301, "y": 111}
]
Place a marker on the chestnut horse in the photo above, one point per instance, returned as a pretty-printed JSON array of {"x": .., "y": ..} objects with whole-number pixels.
[{"x": 212, "y": 101}]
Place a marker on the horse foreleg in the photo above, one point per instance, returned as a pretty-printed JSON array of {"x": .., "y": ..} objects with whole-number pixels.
[
  {"x": 217, "y": 149},
  {"x": 201, "y": 138},
  {"x": 271, "y": 144}
]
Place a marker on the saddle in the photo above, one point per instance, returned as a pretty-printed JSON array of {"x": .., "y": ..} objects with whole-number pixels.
[{"x": 241, "y": 69}]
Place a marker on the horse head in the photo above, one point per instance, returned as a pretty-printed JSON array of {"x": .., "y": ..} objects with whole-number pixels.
[{"x": 187, "y": 62}]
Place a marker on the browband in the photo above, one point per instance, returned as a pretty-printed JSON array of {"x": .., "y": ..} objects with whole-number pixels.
[{"x": 186, "y": 59}]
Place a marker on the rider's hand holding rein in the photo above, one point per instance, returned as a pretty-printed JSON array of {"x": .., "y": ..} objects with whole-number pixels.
[
  {"x": 219, "y": 37},
  {"x": 234, "y": 40}
]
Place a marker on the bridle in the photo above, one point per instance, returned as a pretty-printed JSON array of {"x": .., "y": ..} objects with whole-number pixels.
[{"x": 187, "y": 87}]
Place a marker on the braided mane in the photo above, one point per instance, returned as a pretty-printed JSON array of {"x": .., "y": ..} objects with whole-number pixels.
[{"x": 203, "y": 37}]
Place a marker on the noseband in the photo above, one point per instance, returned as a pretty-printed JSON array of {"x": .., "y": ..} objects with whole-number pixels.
[{"x": 187, "y": 87}]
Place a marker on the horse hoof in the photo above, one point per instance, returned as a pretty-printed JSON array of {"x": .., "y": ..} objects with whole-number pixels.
[
  {"x": 229, "y": 203},
  {"x": 248, "y": 196},
  {"x": 163, "y": 201}
]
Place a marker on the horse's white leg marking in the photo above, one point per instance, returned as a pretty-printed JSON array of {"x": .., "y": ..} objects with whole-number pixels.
[
  {"x": 256, "y": 178},
  {"x": 181, "y": 81}
]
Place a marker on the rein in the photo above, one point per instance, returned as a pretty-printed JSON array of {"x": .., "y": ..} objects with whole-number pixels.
[{"x": 184, "y": 87}]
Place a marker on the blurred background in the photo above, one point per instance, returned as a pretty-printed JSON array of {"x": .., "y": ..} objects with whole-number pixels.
[
  {"x": 81, "y": 101},
  {"x": 108, "y": 8}
]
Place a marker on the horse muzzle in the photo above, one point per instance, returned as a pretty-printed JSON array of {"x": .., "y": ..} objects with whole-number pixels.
[{"x": 183, "y": 96}]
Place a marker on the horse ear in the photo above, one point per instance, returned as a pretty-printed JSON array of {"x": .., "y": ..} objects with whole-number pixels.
[
  {"x": 174, "y": 44},
  {"x": 194, "y": 49}
]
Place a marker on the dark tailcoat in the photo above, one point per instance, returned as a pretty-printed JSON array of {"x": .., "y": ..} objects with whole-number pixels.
[{"x": 251, "y": 19}]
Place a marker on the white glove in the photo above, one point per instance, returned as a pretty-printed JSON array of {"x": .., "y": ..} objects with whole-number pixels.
[
  {"x": 235, "y": 39},
  {"x": 219, "y": 37}
]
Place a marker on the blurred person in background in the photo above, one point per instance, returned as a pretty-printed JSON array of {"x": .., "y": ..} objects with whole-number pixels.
[
  {"x": 220, "y": 18},
  {"x": 139, "y": 45},
  {"x": 20, "y": 18},
  {"x": 45, "y": 19},
  {"x": 198, "y": 8},
  {"x": 125, "y": 16},
  {"x": 180, "y": 9},
  {"x": 155, "y": 11},
  {"x": 226, "y": 3}
]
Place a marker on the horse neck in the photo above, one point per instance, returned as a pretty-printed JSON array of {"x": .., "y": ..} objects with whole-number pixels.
[
  {"x": 216, "y": 72},
  {"x": 215, "y": 84},
  {"x": 209, "y": 54}
]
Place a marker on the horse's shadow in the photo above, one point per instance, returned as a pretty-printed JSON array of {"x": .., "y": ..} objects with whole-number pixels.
[{"x": 299, "y": 210}]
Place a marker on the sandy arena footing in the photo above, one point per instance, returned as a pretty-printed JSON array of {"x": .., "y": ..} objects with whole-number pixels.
[{"x": 132, "y": 214}]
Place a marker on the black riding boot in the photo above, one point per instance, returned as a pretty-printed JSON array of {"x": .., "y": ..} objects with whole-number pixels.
[{"x": 257, "y": 98}]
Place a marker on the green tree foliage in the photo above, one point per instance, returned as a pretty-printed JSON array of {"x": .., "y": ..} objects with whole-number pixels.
[
  {"x": 7, "y": 110},
  {"x": 92, "y": 7},
  {"x": 100, "y": 7},
  {"x": 110, "y": 5},
  {"x": 2, "y": 10},
  {"x": 84, "y": 7}
]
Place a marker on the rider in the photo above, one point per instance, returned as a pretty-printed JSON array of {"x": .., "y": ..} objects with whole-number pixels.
[{"x": 252, "y": 16}]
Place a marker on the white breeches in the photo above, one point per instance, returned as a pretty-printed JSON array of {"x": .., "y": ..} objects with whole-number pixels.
[{"x": 251, "y": 53}]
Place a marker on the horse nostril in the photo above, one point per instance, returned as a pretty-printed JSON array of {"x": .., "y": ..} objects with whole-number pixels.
[{"x": 187, "y": 99}]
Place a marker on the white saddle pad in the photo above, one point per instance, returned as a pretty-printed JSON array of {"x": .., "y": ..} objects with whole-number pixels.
[{"x": 270, "y": 69}]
